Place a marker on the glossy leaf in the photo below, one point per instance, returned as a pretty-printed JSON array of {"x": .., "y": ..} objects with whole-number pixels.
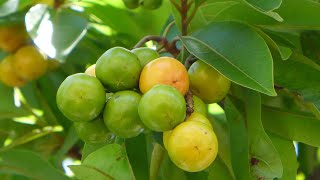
[
  {"x": 218, "y": 170},
  {"x": 85, "y": 172},
  {"x": 28, "y": 164},
  {"x": 235, "y": 50},
  {"x": 238, "y": 139},
  {"x": 169, "y": 171},
  {"x": 265, "y": 5},
  {"x": 288, "y": 156},
  {"x": 111, "y": 160},
  {"x": 299, "y": 74},
  {"x": 55, "y": 32},
  {"x": 291, "y": 125}
]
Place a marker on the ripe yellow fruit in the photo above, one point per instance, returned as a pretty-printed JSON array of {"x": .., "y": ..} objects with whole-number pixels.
[
  {"x": 12, "y": 37},
  {"x": 29, "y": 63},
  {"x": 165, "y": 138},
  {"x": 164, "y": 70},
  {"x": 192, "y": 146},
  {"x": 199, "y": 118},
  {"x": 91, "y": 70},
  {"x": 8, "y": 74}
]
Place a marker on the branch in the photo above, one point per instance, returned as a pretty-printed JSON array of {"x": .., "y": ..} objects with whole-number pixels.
[
  {"x": 176, "y": 5},
  {"x": 158, "y": 39}
]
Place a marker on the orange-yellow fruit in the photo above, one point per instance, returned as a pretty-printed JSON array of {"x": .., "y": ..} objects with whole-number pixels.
[
  {"x": 91, "y": 70},
  {"x": 199, "y": 118},
  {"x": 8, "y": 74},
  {"x": 30, "y": 63},
  {"x": 12, "y": 37},
  {"x": 192, "y": 146},
  {"x": 164, "y": 70}
]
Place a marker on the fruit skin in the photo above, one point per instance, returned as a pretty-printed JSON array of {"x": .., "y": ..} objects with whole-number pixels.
[
  {"x": 91, "y": 70},
  {"x": 81, "y": 97},
  {"x": 164, "y": 70},
  {"x": 199, "y": 118},
  {"x": 207, "y": 83},
  {"x": 12, "y": 37},
  {"x": 131, "y": 4},
  {"x": 162, "y": 108},
  {"x": 151, "y": 4},
  {"x": 94, "y": 131},
  {"x": 165, "y": 138},
  {"x": 199, "y": 106},
  {"x": 121, "y": 114},
  {"x": 118, "y": 69},
  {"x": 29, "y": 62},
  {"x": 8, "y": 74},
  {"x": 192, "y": 146},
  {"x": 145, "y": 55}
]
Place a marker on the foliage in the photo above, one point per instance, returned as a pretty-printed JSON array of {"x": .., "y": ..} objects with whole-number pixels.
[{"x": 269, "y": 50}]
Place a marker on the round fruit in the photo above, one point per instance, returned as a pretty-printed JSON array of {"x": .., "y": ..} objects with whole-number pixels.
[
  {"x": 207, "y": 83},
  {"x": 162, "y": 108},
  {"x": 8, "y": 74},
  {"x": 12, "y": 37},
  {"x": 81, "y": 97},
  {"x": 131, "y": 4},
  {"x": 199, "y": 106},
  {"x": 29, "y": 62},
  {"x": 91, "y": 70},
  {"x": 165, "y": 138},
  {"x": 121, "y": 114},
  {"x": 199, "y": 118},
  {"x": 192, "y": 146},
  {"x": 118, "y": 69},
  {"x": 94, "y": 131},
  {"x": 151, "y": 4},
  {"x": 164, "y": 70},
  {"x": 145, "y": 55}
]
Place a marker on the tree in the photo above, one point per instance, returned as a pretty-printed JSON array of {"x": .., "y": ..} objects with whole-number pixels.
[{"x": 267, "y": 125}]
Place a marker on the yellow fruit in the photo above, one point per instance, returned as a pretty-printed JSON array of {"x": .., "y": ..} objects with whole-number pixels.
[
  {"x": 12, "y": 37},
  {"x": 164, "y": 70},
  {"x": 192, "y": 146},
  {"x": 91, "y": 70},
  {"x": 30, "y": 63},
  {"x": 8, "y": 74},
  {"x": 207, "y": 83},
  {"x": 165, "y": 138}
]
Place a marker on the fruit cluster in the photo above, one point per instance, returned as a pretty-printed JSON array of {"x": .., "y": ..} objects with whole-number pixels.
[
  {"x": 146, "y": 4},
  {"x": 128, "y": 92},
  {"x": 24, "y": 62}
]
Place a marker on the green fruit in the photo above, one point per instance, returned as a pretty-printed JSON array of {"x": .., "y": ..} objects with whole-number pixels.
[
  {"x": 121, "y": 114},
  {"x": 118, "y": 69},
  {"x": 151, "y": 4},
  {"x": 94, "y": 131},
  {"x": 131, "y": 4},
  {"x": 207, "y": 83},
  {"x": 199, "y": 106},
  {"x": 145, "y": 55},
  {"x": 81, "y": 97},
  {"x": 162, "y": 108}
]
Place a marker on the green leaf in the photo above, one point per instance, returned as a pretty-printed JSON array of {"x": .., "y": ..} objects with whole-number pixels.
[
  {"x": 236, "y": 51},
  {"x": 238, "y": 138},
  {"x": 265, "y": 5},
  {"x": 268, "y": 163},
  {"x": 291, "y": 125},
  {"x": 169, "y": 171},
  {"x": 90, "y": 148},
  {"x": 306, "y": 158},
  {"x": 310, "y": 41},
  {"x": 218, "y": 170},
  {"x": 111, "y": 160},
  {"x": 137, "y": 154},
  {"x": 299, "y": 74},
  {"x": 85, "y": 172},
  {"x": 7, "y": 7},
  {"x": 157, "y": 156},
  {"x": 288, "y": 156},
  {"x": 55, "y": 32},
  {"x": 29, "y": 164}
]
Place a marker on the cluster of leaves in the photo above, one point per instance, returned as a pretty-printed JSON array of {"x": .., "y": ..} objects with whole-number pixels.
[{"x": 269, "y": 49}]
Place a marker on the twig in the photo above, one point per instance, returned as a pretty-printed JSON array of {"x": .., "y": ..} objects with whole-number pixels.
[
  {"x": 190, "y": 103},
  {"x": 184, "y": 16},
  {"x": 176, "y": 5},
  {"x": 158, "y": 39}
]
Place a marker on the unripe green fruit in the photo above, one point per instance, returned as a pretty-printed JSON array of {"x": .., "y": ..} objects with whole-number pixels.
[
  {"x": 118, "y": 69},
  {"x": 199, "y": 106},
  {"x": 81, "y": 97},
  {"x": 121, "y": 114},
  {"x": 162, "y": 108},
  {"x": 131, "y": 4},
  {"x": 151, "y": 4},
  {"x": 145, "y": 55},
  {"x": 94, "y": 131}
]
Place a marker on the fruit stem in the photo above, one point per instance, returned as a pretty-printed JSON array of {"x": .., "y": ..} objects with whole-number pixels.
[
  {"x": 190, "y": 103},
  {"x": 189, "y": 61},
  {"x": 145, "y": 39}
]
